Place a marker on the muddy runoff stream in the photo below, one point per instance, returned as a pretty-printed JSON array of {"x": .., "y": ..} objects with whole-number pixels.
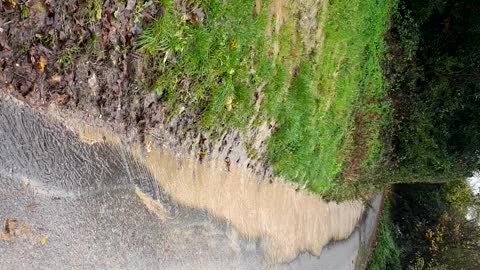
[{"x": 76, "y": 197}]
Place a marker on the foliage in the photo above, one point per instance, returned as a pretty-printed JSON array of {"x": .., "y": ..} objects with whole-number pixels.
[
  {"x": 434, "y": 231},
  {"x": 425, "y": 227},
  {"x": 92, "y": 10},
  {"x": 432, "y": 68}
]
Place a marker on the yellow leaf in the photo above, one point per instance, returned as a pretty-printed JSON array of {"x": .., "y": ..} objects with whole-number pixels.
[
  {"x": 42, "y": 62},
  {"x": 233, "y": 44},
  {"x": 229, "y": 103},
  {"x": 98, "y": 14},
  {"x": 43, "y": 240}
]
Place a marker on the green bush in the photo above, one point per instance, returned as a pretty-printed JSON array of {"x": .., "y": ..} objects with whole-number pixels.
[{"x": 432, "y": 66}]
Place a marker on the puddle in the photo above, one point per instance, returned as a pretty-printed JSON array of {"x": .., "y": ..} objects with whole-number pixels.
[{"x": 289, "y": 221}]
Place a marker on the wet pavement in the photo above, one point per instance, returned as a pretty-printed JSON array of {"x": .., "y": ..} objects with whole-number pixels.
[{"x": 75, "y": 206}]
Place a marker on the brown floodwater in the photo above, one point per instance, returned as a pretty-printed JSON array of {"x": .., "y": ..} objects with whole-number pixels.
[{"x": 90, "y": 201}]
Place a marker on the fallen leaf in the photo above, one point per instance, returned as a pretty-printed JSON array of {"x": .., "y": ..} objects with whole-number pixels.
[
  {"x": 10, "y": 226},
  {"x": 229, "y": 103},
  {"x": 10, "y": 2},
  {"x": 233, "y": 44},
  {"x": 98, "y": 14},
  {"x": 42, "y": 62},
  {"x": 43, "y": 240},
  {"x": 93, "y": 84},
  {"x": 56, "y": 78}
]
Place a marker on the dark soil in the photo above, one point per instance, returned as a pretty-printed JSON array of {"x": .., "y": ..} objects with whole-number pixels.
[
  {"x": 82, "y": 59},
  {"x": 78, "y": 56}
]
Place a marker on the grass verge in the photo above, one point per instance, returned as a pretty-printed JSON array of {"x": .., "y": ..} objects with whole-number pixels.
[
  {"x": 386, "y": 254},
  {"x": 321, "y": 87}
]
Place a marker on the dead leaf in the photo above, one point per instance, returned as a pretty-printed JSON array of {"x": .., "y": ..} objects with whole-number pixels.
[
  {"x": 229, "y": 103},
  {"x": 233, "y": 44},
  {"x": 10, "y": 225},
  {"x": 56, "y": 78},
  {"x": 131, "y": 5},
  {"x": 12, "y": 3},
  {"x": 42, "y": 62},
  {"x": 93, "y": 84},
  {"x": 8, "y": 231}
]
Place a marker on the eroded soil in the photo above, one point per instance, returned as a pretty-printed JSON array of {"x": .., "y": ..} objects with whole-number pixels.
[{"x": 76, "y": 55}]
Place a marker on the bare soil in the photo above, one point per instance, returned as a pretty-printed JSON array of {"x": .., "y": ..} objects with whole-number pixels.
[{"x": 55, "y": 52}]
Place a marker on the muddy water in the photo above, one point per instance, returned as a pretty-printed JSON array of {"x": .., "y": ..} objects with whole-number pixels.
[{"x": 93, "y": 204}]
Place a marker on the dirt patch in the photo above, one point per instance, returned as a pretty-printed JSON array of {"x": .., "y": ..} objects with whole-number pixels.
[
  {"x": 359, "y": 147},
  {"x": 78, "y": 55},
  {"x": 306, "y": 17}
]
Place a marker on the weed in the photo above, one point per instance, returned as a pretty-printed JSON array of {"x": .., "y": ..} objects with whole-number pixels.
[
  {"x": 93, "y": 10},
  {"x": 66, "y": 57},
  {"x": 24, "y": 13},
  {"x": 47, "y": 39},
  {"x": 94, "y": 47},
  {"x": 386, "y": 254}
]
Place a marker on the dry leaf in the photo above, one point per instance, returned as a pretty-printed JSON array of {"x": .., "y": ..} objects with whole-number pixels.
[
  {"x": 229, "y": 103},
  {"x": 43, "y": 240},
  {"x": 42, "y": 62},
  {"x": 233, "y": 44},
  {"x": 11, "y": 2},
  {"x": 56, "y": 78}
]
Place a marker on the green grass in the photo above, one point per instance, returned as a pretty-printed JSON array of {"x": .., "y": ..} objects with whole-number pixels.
[
  {"x": 386, "y": 254},
  {"x": 92, "y": 10},
  {"x": 213, "y": 68},
  {"x": 214, "y": 61},
  {"x": 67, "y": 56}
]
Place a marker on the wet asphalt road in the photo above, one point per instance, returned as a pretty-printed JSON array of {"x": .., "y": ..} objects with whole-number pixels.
[{"x": 75, "y": 208}]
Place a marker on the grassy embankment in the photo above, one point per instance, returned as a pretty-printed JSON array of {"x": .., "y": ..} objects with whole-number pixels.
[{"x": 326, "y": 100}]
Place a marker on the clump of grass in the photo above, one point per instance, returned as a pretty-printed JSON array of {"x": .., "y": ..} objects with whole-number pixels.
[
  {"x": 386, "y": 254},
  {"x": 93, "y": 10},
  {"x": 67, "y": 56},
  {"x": 94, "y": 47},
  {"x": 209, "y": 66},
  {"x": 24, "y": 13}
]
